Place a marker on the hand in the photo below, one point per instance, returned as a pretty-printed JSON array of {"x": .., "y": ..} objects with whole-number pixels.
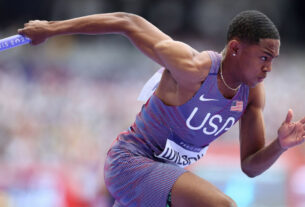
[
  {"x": 290, "y": 133},
  {"x": 38, "y": 31}
]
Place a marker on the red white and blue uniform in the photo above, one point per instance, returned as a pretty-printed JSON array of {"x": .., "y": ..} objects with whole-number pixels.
[{"x": 145, "y": 161}]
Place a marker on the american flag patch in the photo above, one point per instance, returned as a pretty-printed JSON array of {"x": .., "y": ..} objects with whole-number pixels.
[{"x": 237, "y": 106}]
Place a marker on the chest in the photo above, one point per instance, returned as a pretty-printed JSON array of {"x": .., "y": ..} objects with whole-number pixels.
[
  {"x": 173, "y": 94},
  {"x": 210, "y": 118}
]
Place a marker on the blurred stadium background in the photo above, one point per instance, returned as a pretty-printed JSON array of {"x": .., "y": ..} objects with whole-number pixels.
[{"x": 62, "y": 103}]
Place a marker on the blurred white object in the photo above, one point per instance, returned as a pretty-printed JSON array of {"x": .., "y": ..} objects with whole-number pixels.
[{"x": 150, "y": 86}]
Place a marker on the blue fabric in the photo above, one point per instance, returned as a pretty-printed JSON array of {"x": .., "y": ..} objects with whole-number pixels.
[{"x": 135, "y": 175}]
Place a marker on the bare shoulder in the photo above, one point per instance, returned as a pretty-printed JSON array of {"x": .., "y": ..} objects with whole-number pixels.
[
  {"x": 177, "y": 87},
  {"x": 257, "y": 96},
  {"x": 203, "y": 62},
  {"x": 187, "y": 66}
]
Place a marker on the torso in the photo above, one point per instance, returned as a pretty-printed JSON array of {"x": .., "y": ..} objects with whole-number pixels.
[
  {"x": 176, "y": 128},
  {"x": 173, "y": 94}
]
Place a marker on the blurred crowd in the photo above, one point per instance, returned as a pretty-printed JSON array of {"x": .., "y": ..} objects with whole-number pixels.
[{"x": 56, "y": 124}]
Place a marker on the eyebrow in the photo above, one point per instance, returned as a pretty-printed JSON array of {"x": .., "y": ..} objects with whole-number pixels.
[{"x": 268, "y": 53}]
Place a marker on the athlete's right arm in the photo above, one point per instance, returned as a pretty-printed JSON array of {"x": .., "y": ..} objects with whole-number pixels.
[
  {"x": 141, "y": 33},
  {"x": 179, "y": 58}
]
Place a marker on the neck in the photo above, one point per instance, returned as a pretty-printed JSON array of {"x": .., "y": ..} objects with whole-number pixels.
[{"x": 227, "y": 76}]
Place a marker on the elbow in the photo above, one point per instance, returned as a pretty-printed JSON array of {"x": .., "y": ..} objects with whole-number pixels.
[{"x": 251, "y": 172}]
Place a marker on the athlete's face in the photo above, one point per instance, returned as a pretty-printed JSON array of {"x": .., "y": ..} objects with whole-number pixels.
[{"x": 255, "y": 60}]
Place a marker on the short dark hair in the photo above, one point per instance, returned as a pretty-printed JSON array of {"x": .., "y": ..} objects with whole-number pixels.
[{"x": 251, "y": 26}]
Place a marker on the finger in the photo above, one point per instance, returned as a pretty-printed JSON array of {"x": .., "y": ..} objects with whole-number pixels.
[
  {"x": 298, "y": 133},
  {"x": 299, "y": 128},
  {"x": 301, "y": 140},
  {"x": 303, "y": 120},
  {"x": 289, "y": 116},
  {"x": 35, "y": 42},
  {"x": 20, "y": 31}
]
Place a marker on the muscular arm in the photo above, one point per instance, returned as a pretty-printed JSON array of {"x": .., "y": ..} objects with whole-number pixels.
[
  {"x": 140, "y": 32},
  {"x": 255, "y": 156},
  {"x": 180, "y": 59}
]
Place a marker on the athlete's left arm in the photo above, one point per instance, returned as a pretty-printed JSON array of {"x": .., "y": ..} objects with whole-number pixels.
[{"x": 256, "y": 157}]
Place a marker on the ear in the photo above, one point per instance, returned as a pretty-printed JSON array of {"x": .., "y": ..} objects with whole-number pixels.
[{"x": 234, "y": 47}]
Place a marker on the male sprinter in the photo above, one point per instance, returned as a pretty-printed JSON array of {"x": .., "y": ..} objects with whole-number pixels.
[{"x": 199, "y": 97}]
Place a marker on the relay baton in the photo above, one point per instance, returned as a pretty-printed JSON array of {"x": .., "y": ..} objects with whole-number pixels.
[{"x": 13, "y": 41}]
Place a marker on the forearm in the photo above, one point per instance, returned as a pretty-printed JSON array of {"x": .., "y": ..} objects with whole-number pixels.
[
  {"x": 260, "y": 161},
  {"x": 140, "y": 32},
  {"x": 93, "y": 24},
  {"x": 256, "y": 157}
]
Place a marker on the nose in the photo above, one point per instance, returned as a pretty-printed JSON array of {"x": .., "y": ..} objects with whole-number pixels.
[{"x": 267, "y": 68}]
